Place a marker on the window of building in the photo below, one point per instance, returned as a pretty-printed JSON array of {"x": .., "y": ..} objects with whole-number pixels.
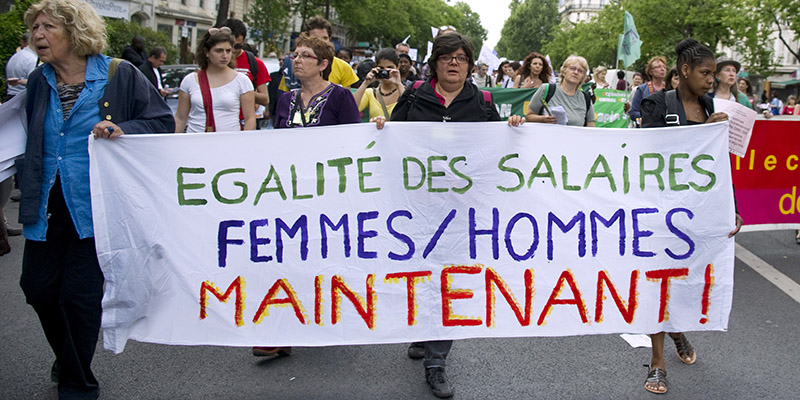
[
  {"x": 202, "y": 4},
  {"x": 166, "y": 29}
]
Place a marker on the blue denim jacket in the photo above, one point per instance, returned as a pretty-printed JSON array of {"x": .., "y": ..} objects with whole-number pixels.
[
  {"x": 59, "y": 146},
  {"x": 65, "y": 148}
]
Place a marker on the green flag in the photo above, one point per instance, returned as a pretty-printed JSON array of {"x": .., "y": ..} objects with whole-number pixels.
[{"x": 628, "y": 49}]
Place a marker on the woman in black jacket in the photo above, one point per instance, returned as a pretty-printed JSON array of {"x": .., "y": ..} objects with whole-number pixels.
[
  {"x": 446, "y": 96},
  {"x": 686, "y": 105}
]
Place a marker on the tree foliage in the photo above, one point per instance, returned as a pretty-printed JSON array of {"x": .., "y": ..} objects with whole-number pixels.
[
  {"x": 268, "y": 20},
  {"x": 782, "y": 15},
  {"x": 12, "y": 26},
  {"x": 471, "y": 25},
  {"x": 661, "y": 25},
  {"x": 531, "y": 24},
  {"x": 380, "y": 22},
  {"x": 120, "y": 33}
]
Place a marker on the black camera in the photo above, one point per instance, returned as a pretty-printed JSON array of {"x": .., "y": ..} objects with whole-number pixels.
[{"x": 382, "y": 74}]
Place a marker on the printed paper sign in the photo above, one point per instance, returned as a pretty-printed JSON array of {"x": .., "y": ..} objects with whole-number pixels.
[
  {"x": 421, "y": 231},
  {"x": 741, "y": 121}
]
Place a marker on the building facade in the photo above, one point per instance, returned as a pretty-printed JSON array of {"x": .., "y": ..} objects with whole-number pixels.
[{"x": 576, "y": 11}]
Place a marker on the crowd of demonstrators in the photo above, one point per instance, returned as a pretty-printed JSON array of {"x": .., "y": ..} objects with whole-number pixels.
[
  {"x": 135, "y": 53},
  {"x": 318, "y": 101},
  {"x": 381, "y": 99},
  {"x": 151, "y": 68},
  {"x": 696, "y": 71},
  {"x": 576, "y": 103},
  {"x": 71, "y": 94},
  {"x": 311, "y": 89},
  {"x": 245, "y": 62},
  {"x": 210, "y": 100},
  {"x": 656, "y": 71},
  {"x": 481, "y": 76},
  {"x": 535, "y": 72}
]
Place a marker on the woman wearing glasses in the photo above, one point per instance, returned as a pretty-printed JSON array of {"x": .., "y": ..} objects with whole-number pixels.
[
  {"x": 445, "y": 96},
  {"x": 210, "y": 99},
  {"x": 317, "y": 102},
  {"x": 567, "y": 94}
]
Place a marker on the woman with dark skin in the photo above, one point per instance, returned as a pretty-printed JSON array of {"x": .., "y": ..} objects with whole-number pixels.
[{"x": 696, "y": 68}]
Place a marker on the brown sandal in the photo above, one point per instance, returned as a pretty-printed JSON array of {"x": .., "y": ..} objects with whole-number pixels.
[
  {"x": 658, "y": 377},
  {"x": 685, "y": 351},
  {"x": 272, "y": 351}
]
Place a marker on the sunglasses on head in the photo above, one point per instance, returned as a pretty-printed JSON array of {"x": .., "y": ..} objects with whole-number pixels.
[{"x": 214, "y": 31}]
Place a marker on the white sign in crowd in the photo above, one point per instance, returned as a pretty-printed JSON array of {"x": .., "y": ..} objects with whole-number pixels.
[{"x": 349, "y": 235}]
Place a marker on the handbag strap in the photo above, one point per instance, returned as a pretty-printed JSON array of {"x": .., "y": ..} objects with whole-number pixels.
[
  {"x": 380, "y": 100},
  {"x": 205, "y": 90}
]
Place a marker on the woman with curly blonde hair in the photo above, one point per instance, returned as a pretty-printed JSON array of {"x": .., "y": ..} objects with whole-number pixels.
[{"x": 69, "y": 96}]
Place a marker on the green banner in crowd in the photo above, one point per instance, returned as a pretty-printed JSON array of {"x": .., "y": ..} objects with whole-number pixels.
[
  {"x": 511, "y": 101},
  {"x": 609, "y": 108}
]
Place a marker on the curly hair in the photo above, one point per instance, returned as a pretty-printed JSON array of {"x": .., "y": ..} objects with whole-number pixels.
[
  {"x": 85, "y": 29},
  {"x": 544, "y": 76},
  {"x": 322, "y": 49}
]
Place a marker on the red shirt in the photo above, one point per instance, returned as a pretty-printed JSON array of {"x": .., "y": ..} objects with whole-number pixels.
[
  {"x": 438, "y": 96},
  {"x": 243, "y": 66}
]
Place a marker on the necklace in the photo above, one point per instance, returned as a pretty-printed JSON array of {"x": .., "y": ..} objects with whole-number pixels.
[{"x": 387, "y": 94}]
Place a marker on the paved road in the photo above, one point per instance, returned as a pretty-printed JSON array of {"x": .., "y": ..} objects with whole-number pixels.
[{"x": 756, "y": 358}]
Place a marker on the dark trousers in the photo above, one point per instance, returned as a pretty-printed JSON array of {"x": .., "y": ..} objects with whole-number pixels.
[{"x": 62, "y": 281}]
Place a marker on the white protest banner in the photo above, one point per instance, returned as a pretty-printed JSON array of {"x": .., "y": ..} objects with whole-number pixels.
[
  {"x": 489, "y": 56},
  {"x": 349, "y": 235},
  {"x": 741, "y": 124},
  {"x": 13, "y": 136}
]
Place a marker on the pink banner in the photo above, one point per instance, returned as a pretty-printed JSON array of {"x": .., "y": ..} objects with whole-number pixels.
[{"x": 767, "y": 179}]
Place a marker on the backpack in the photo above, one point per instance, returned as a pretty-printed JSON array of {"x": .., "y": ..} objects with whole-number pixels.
[
  {"x": 548, "y": 95},
  {"x": 675, "y": 115},
  {"x": 251, "y": 60}
]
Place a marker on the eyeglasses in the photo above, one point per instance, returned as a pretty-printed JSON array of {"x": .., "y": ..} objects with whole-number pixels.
[
  {"x": 295, "y": 56},
  {"x": 214, "y": 31},
  {"x": 577, "y": 69},
  {"x": 446, "y": 58}
]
